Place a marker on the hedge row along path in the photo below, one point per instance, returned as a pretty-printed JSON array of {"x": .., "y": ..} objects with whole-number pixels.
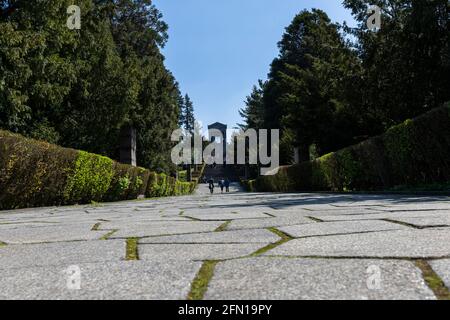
[{"x": 231, "y": 246}]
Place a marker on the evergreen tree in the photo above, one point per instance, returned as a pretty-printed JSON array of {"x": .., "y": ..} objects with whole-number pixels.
[
  {"x": 303, "y": 95},
  {"x": 406, "y": 64},
  {"x": 188, "y": 115},
  {"x": 253, "y": 112},
  {"x": 78, "y": 88}
]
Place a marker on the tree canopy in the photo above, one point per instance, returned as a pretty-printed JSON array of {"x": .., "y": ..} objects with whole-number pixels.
[
  {"x": 332, "y": 86},
  {"x": 77, "y": 88}
]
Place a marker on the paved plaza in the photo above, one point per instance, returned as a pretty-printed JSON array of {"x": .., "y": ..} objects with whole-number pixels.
[{"x": 230, "y": 246}]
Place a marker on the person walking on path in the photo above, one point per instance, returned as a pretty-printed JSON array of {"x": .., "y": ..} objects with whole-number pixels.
[
  {"x": 227, "y": 185},
  {"x": 221, "y": 184},
  {"x": 211, "y": 185}
]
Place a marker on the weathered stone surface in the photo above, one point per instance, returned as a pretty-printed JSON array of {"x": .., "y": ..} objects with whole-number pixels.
[
  {"x": 379, "y": 215},
  {"x": 164, "y": 228},
  {"x": 329, "y": 228},
  {"x": 295, "y": 279},
  {"x": 270, "y": 222},
  {"x": 438, "y": 221},
  {"x": 113, "y": 280},
  {"x": 64, "y": 253},
  {"x": 228, "y": 216},
  {"x": 404, "y": 243},
  {"x": 442, "y": 269},
  {"x": 238, "y": 236},
  {"x": 196, "y": 251},
  {"x": 49, "y": 234},
  {"x": 178, "y": 234}
]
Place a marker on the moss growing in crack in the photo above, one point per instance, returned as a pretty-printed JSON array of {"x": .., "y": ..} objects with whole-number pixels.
[
  {"x": 284, "y": 238},
  {"x": 96, "y": 227},
  {"x": 201, "y": 281},
  {"x": 109, "y": 234},
  {"x": 2, "y": 244},
  {"x": 223, "y": 227},
  {"x": 132, "y": 249},
  {"x": 433, "y": 281}
]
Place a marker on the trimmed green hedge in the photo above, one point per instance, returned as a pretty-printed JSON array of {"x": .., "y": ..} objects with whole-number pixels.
[
  {"x": 35, "y": 173},
  {"x": 414, "y": 153}
]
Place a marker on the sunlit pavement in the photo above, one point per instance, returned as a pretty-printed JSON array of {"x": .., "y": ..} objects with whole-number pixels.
[{"x": 252, "y": 246}]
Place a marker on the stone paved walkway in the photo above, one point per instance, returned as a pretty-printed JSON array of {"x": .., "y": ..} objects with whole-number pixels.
[{"x": 231, "y": 246}]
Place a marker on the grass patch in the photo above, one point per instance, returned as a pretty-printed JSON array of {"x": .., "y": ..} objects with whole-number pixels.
[
  {"x": 132, "y": 249},
  {"x": 2, "y": 244},
  {"x": 201, "y": 281},
  {"x": 284, "y": 238},
  {"x": 433, "y": 281},
  {"x": 223, "y": 227}
]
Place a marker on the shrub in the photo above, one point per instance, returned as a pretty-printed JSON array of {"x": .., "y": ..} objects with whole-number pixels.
[
  {"x": 32, "y": 173},
  {"x": 416, "y": 152},
  {"x": 90, "y": 179},
  {"x": 36, "y": 173}
]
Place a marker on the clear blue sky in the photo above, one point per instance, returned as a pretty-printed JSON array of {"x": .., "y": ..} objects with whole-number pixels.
[{"x": 218, "y": 49}]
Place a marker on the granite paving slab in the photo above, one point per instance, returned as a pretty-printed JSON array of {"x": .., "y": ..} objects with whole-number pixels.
[
  {"x": 401, "y": 243},
  {"x": 318, "y": 279}
]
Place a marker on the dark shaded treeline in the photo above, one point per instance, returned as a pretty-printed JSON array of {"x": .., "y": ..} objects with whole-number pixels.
[
  {"x": 77, "y": 88},
  {"x": 332, "y": 86}
]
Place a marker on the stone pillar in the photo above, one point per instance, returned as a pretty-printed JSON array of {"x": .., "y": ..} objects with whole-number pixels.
[
  {"x": 189, "y": 173},
  {"x": 224, "y": 142},
  {"x": 296, "y": 155},
  {"x": 246, "y": 171},
  {"x": 128, "y": 145}
]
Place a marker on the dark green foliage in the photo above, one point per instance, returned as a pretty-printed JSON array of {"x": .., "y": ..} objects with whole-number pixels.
[
  {"x": 415, "y": 153},
  {"x": 187, "y": 117},
  {"x": 406, "y": 65},
  {"x": 326, "y": 91},
  {"x": 128, "y": 182},
  {"x": 304, "y": 95},
  {"x": 35, "y": 173},
  {"x": 77, "y": 88}
]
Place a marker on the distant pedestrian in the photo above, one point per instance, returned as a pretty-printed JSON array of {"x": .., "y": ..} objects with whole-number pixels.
[
  {"x": 221, "y": 184},
  {"x": 227, "y": 185},
  {"x": 211, "y": 185}
]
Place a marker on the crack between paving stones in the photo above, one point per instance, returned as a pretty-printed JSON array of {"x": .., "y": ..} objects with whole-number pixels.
[
  {"x": 284, "y": 238},
  {"x": 198, "y": 243},
  {"x": 433, "y": 281},
  {"x": 50, "y": 242},
  {"x": 314, "y": 219},
  {"x": 410, "y": 225},
  {"x": 358, "y": 257},
  {"x": 108, "y": 235},
  {"x": 201, "y": 280},
  {"x": 270, "y": 215},
  {"x": 96, "y": 227},
  {"x": 343, "y": 234},
  {"x": 223, "y": 227},
  {"x": 181, "y": 234},
  {"x": 31, "y": 222}
]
